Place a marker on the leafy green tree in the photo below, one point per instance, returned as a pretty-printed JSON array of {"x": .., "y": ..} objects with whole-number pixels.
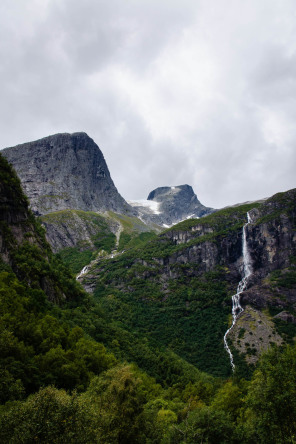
[
  {"x": 271, "y": 399},
  {"x": 119, "y": 395},
  {"x": 228, "y": 399},
  {"x": 204, "y": 425},
  {"x": 50, "y": 416}
]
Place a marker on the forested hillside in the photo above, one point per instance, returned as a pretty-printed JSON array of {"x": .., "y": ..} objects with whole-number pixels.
[
  {"x": 78, "y": 368},
  {"x": 176, "y": 289}
]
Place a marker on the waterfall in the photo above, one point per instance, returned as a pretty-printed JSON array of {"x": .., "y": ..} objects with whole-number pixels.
[
  {"x": 82, "y": 272},
  {"x": 236, "y": 306}
]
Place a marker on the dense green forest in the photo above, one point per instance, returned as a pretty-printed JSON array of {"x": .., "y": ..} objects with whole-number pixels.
[
  {"x": 71, "y": 373},
  {"x": 58, "y": 384}
]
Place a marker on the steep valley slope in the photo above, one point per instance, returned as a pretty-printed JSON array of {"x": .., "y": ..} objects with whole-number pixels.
[
  {"x": 177, "y": 288},
  {"x": 41, "y": 303},
  {"x": 73, "y": 372},
  {"x": 69, "y": 186},
  {"x": 173, "y": 289}
]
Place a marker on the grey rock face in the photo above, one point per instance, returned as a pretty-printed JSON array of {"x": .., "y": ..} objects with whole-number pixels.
[
  {"x": 172, "y": 205},
  {"x": 65, "y": 171},
  {"x": 71, "y": 228}
]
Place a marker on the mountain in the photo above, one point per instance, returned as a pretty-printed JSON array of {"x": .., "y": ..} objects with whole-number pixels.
[
  {"x": 167, "y": 206},
  {"x": 65, "y": 171},
  {"x": 101, "y": 368},
  {"x": 192, "y": 263},
  {"x": 69, "y": 186},
  {"x": 177, "y": 288}
]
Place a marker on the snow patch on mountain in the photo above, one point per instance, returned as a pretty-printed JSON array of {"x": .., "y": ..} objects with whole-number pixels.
[{"x": 152, "y": 205}]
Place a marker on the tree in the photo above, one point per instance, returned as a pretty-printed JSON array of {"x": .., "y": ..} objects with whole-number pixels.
[
  {"x": 271, "y": 399},
  {"x": 50, "y": 416}
]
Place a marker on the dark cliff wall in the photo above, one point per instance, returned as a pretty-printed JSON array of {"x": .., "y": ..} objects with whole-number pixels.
[
  {"x": 272, "y": 235},
  {"x": 65, "y": 171},
  {"x": 23, "y": 247},
  {"x": 217, "y": 240},
  {"x": 16, "y": 223}
]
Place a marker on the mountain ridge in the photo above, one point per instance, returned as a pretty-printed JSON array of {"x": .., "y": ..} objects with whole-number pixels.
[
  {"x": 65, "y": 171},
  {"x": 64, "y": 375}
]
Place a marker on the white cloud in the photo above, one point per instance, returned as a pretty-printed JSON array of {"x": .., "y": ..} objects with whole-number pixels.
[{"x": 198, "y": 92}]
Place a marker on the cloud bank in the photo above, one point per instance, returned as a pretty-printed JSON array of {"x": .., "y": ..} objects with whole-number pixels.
[{"x": 199, "y": 92}]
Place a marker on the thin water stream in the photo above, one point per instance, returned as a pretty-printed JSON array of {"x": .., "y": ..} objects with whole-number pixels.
[{"x": 237, "y": 309}]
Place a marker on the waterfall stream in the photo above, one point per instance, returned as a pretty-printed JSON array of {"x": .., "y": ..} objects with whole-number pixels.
[
  {"x": 82, "y": 272},
  {"x": 236, "y": 306}
]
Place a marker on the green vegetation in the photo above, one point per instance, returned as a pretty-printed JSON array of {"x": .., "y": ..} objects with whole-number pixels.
[
  {"x": 129, "y": 224},
  {"x": 278, "y": 205},
  {"x": 128, "y": 241},
  {"x": 190, "y": 320},
  {"x": 93, "y": 233},
  {"x": 221, "y": 221},
  {"x": 60, "y": 385},
  {"x": 284, "y": 281},
  {"x": 115, "y": 368},
  {"x": 177, "y": 307},
  {"x": 75, "y": 259}
]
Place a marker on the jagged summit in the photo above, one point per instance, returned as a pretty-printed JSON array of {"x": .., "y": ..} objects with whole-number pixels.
[
  {"x": 65, "y": 171},
  {"x": 170, "y": 205}
]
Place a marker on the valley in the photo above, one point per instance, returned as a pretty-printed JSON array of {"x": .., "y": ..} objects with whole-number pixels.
[{"x": 167, "y": 322}]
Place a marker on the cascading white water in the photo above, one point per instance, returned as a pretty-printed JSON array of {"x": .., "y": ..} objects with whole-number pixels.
[
  {"x": 236, "y": 306},
  {"x": 82, "y": 272}
]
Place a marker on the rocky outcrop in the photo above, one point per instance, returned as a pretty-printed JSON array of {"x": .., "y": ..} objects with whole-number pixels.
[
  {"x": 253, "y": 334},
  {"x": 65, "y": 171},
  {"x": 169, "y": 205},
  {"x": 217, "y": 240},
  {"x": 71, "y": 228},
  {"x": 178, "y": 202},
  {"x": 272, "y": 238}
]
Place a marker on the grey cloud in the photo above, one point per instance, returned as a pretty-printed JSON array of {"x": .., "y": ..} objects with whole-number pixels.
[{"x": 173, "y": 92}]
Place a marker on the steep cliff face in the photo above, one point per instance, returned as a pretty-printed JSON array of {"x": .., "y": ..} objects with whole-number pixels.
[
  {"x": 271, "y": 235},
  {"x": 16, "y": 221},
  {"x": 23, "y": 247},
  {"x": 75, "y": 228},
  {"x": 65, "y": 171}
]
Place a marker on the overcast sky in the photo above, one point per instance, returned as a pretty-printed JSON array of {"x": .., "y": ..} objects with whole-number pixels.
[{"x": 201, "y": 92}]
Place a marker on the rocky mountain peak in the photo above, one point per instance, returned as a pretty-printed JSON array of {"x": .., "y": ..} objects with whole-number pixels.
[
  {"x": 178, "y": 203},
  {"x": 170, "y": 205},
  {"x": 65, "y": 171},
  {"x": 162, "y": 193}
]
